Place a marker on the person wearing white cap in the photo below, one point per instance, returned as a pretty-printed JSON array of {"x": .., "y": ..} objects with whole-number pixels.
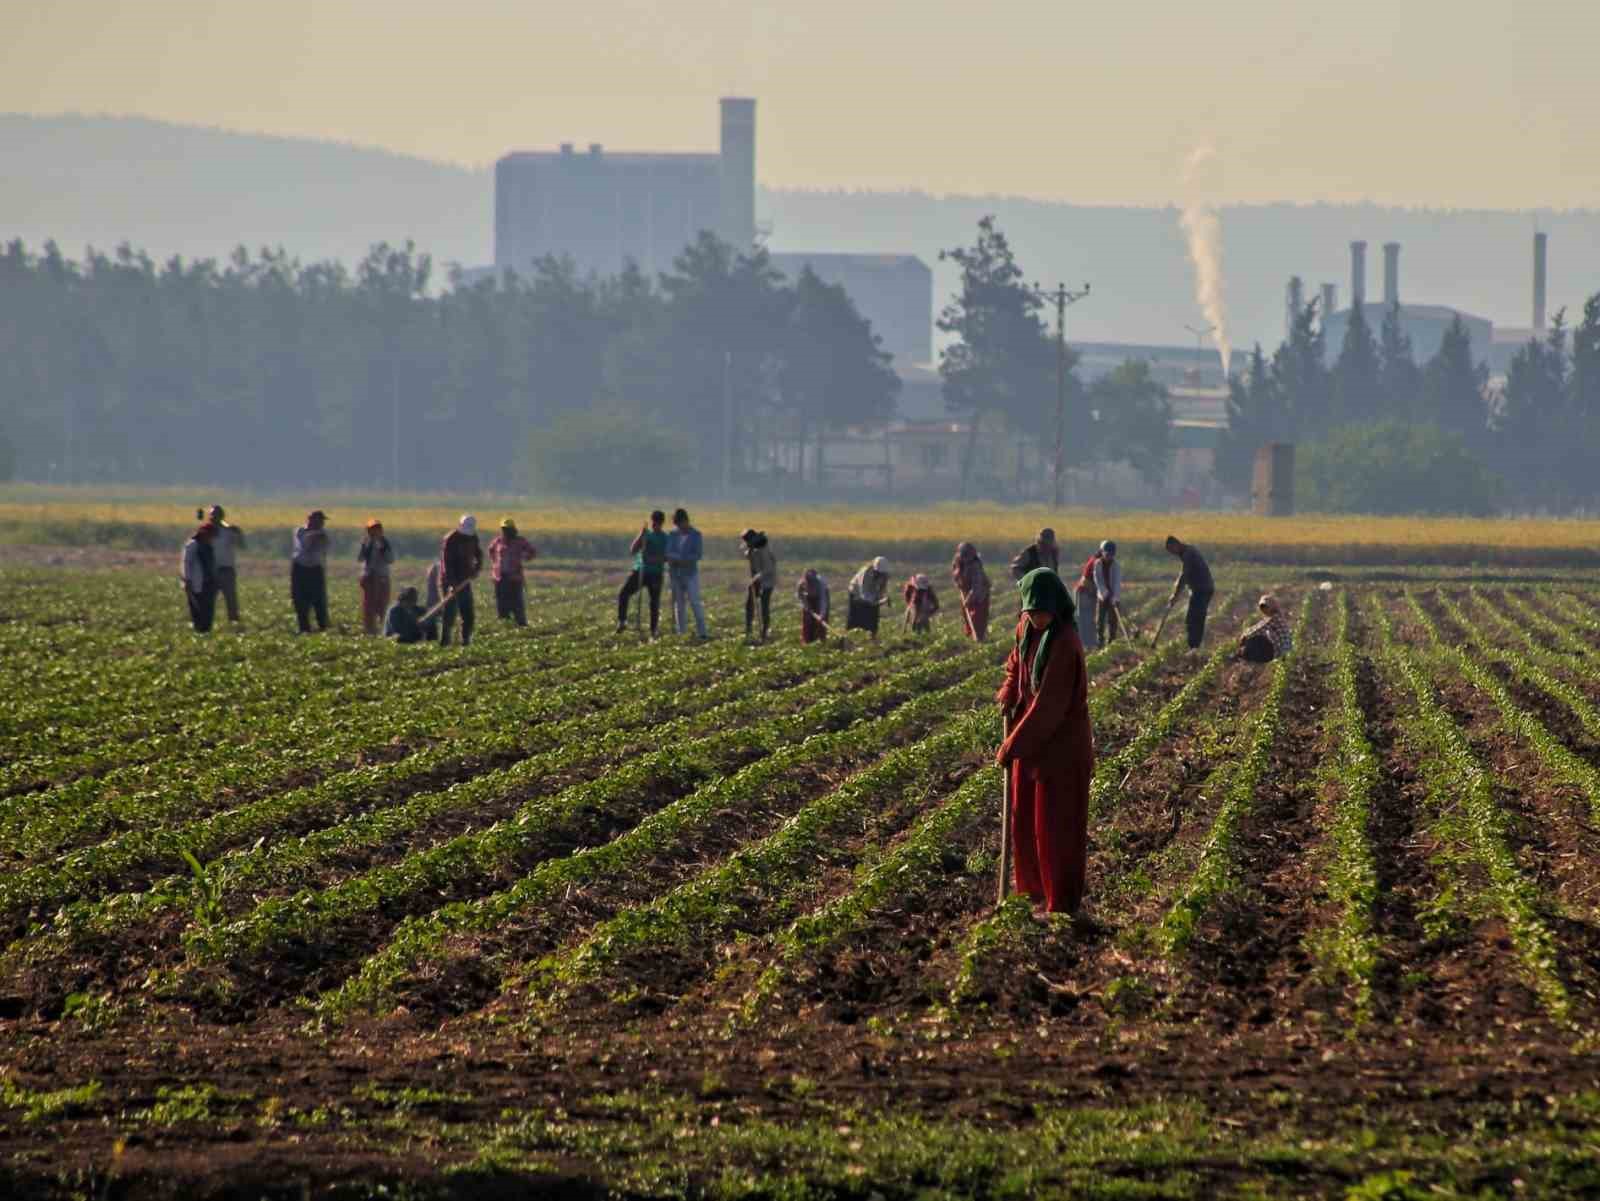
[
  {"x": 460, "y": 560},
  {"x": 869, "y": 592}
]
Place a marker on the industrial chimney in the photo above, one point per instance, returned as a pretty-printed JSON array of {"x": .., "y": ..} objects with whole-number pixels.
[
  {"x": 1540, "y": 246},
  {"x": 1391, "y": 274},
  {"x": 1358, "y": 274},
  {"x": 738, "y": 169},
  {"x": 1330, "y": 300}
]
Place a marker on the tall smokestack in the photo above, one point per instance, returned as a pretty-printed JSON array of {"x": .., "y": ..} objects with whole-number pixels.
[
  {"x": 1330, "y": 299},
  {"x": 1293, "y": 300},
  {"x": 1540, "y": 247},
  {"x": 1391, "y": 274},
  {"x": 1358, "y": 274},
  {"x": 738, "y": 167}
]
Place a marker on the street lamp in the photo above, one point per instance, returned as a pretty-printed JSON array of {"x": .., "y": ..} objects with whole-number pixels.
[
  {"x": 1200, "y": 336},
  {"x": 1061, "y": 297}
]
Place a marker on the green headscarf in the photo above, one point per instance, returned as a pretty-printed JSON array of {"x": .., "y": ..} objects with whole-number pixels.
[{"x": 1043, "y": 592}]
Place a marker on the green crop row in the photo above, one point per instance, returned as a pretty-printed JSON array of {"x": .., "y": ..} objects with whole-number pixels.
[
  {"x": 1352, "y": 876},
  {"x": 770, "y": 783},
  {"x": 1001, "y": 929},
  {"x": 1528, "y": 665},
  {"x": 417, "y": 709},
  {"x": 624, "y": 702},
  {"x": 309, "y": 916},
  {"x": 1216, "y": 872},
  {"x": 913, "y": 867},
  {"x": 1560, "y": 762},
  {"x": 1450, "y": 769}
]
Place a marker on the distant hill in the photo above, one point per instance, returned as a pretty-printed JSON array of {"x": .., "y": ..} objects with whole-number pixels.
[{"x": 196, "y": 191}]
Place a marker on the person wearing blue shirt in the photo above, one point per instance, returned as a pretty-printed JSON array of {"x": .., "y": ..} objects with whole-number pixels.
[{"x": 684, "y": 548}]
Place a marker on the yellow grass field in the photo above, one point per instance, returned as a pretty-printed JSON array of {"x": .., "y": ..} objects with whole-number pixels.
[{"x": 154, "y": 517}]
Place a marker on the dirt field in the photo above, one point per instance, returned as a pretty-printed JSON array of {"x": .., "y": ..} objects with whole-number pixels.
[{"x": 569, "y": 913}]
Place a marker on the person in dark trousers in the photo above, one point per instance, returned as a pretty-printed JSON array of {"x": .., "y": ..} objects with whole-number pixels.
[
  {"x": 404, "y": 621},
  {"x": 507, "y": 553},
  {"x": 868, "y": 593},
  {"x": 199, "y": 574},
  {"x": 1049, "y": 751},
  {"x": 227, "y": 543},
  {"x": 308, "y": 576},
  {"x": 1041, "y": 552},
  {"x": 1098, "y": 593},
  {"x": 1196, "y": 577},
  {"x": 763, "y": 579},
  {"x": 460, "y": 561},
  {"x": 649, "y": 550},
  {"x": 685, "y": 547}
]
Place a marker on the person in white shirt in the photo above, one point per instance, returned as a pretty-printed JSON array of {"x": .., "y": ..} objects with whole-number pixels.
[{"x": 225, "y": 546}]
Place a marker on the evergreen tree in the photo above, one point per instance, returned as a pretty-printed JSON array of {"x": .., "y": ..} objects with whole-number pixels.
[
  {"x": 1400, "y": 380},
  {"x": 1002, "y": 363},
  {"x": 1533, "y": 423},
  {"x": 1300, "y": 375},
  {"x": 1257, "y": 415},
  {"x": 1357, "y": 385},
  {"x": 1455, "y": 389},
  {"x": 1585, "y": 379}
]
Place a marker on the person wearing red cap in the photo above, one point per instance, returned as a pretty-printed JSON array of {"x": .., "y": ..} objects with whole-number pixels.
[
  {"x": 308, "y": 581},
  {"x": 376, "y": 557}
]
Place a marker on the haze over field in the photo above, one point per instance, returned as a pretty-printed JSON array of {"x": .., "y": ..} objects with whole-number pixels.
[{"x": 195, "y": 191}]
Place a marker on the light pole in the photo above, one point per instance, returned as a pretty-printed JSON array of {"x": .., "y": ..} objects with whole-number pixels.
[
  {"x": 1200, "y": 336},
  {"x": 1061, "y": 297}
]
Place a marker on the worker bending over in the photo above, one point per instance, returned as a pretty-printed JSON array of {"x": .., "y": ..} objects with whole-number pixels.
[
  {"x": 1196, "y": 577},
  {"x": 972, "y": 586},
  {"x": 812, "y": 593}
]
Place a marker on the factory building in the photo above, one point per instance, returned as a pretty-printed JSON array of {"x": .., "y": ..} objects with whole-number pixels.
[
  {"x": 1425, "y": 324},
  {"x": 602, "y": 208},
  {"x": 893, "y": 291}
]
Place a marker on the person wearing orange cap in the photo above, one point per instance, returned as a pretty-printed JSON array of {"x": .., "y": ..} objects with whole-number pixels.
[
  {"x": 376, "y": 557},
  {"x": 308, "y": 580},
  {"x": 507, "y": 553}
]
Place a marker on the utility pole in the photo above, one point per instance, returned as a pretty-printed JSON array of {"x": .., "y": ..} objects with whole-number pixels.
[
  {"x": 727, "y": 425},
  {"x": 1061, "y": 297}
]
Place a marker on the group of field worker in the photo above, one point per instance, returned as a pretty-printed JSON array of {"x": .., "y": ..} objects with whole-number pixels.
[
  {"x": 1048, "y": 748},
  {"x": 209, "y": 566}
]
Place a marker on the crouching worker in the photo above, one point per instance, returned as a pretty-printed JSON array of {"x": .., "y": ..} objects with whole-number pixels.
[
  {"x": 404, "y": 623},
  {"x": 1049, "y": 749},
  {"x": 812, "y": 593},
  {"x": 921, "y": 603},
  {"x": 1270, "y": 638}
]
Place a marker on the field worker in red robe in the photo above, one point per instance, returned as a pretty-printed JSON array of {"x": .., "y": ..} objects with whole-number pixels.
[{"x": 1050, "y": 750}]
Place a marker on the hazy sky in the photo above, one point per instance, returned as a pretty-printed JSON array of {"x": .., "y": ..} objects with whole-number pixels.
[{"x": 1456, "y": 103}]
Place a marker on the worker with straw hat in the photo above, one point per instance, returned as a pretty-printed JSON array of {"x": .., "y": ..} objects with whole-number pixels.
[
  {"x": 376, "y": 557},
  {"x": 507, "y": 553},
  {"x": 1049, "y": 749}
]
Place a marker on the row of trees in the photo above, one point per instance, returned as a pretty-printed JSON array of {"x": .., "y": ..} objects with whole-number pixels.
[
  {"x": 266, "y": 371},
  {"x": 1531, "y": 442}
]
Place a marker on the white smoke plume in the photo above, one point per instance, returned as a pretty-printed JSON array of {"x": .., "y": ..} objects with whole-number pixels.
[{"x": 1202, "y": 229}]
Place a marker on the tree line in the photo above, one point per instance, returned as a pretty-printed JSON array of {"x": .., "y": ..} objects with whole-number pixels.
[
  {"x": 1383, "y": 433},
  {"x": 264, "y": 371}
]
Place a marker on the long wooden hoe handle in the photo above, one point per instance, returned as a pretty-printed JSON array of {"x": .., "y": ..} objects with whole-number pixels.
[{"x": 1003, "y": 889}]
